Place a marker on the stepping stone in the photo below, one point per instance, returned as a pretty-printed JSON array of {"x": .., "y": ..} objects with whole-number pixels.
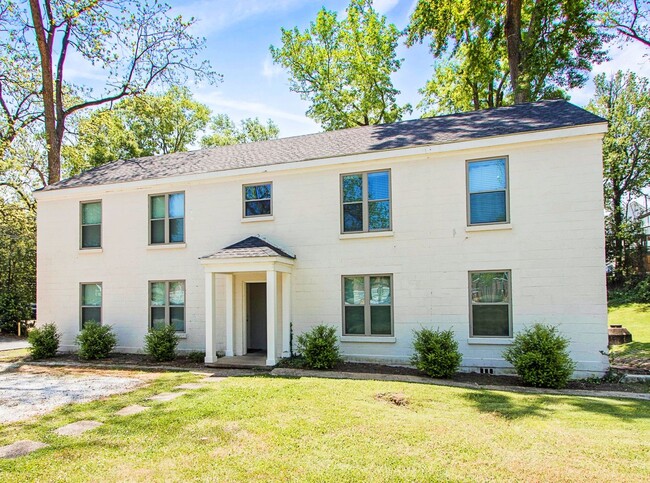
[
  {"x": 213, "y": 379},
  {"x": 190, "y": 385},
  {"x": 78, "y": 428},
  {"x": 20, "y": 448},
  {"x": 129, "y": 410},
  {"x": 166, "y": 396}
]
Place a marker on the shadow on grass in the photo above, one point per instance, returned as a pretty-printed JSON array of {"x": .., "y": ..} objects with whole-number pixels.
[
  {"x": 632, "y": 349},
  {"x": 512, "y": 407}
]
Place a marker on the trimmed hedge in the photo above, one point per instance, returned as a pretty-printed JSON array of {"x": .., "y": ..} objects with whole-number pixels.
[
  {"x": 96, "y": 341},
  {"x": 436, "y": 352},
  {"x": 44, "y": 341},
  {"x": 319, "y": 347}
]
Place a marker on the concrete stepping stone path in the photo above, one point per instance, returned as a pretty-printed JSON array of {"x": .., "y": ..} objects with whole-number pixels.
[
  {"x": 166, "y": 396},
  {"x": 78, "y": 428},
  {"x": 190, "y": 385},
  {"x": 213, "y": 379},
  {"x": 130, "y": 410},
  {"x": 20, "y": 448}
]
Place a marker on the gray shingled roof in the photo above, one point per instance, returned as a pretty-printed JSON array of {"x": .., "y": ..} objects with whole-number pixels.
[
  {"x": 250, "y": 247},
  {"x": 517, "y": 119}
]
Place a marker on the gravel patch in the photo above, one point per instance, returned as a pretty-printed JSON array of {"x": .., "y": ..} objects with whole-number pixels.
[{"x": 24, "y": 395}]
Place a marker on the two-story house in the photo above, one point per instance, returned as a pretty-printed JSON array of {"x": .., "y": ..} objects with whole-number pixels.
[{"x": 483, "y": 222}]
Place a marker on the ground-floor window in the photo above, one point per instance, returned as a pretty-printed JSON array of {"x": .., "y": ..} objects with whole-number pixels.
[
  {"x": 368, "y": 305},
  {"x": 167, "y": 304},
  {"x": 91, "y": 303},
  {"x": 490, "y": 304}
]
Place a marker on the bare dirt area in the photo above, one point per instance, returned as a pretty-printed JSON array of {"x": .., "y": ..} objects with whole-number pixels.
[{"x": 30, "y": 391}]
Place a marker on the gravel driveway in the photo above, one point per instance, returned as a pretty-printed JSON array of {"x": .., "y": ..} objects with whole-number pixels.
[{"x": 25, "y": 394}]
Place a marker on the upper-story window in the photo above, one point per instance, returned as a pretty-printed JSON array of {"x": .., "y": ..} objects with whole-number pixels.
[
  {"x": 487, "y": 191},
  {"x": 365, "y": 202},
  {"x": 91, "y": 224},
  {"x": 167, "y": 218},
  {"x": 258, "y": 200}
]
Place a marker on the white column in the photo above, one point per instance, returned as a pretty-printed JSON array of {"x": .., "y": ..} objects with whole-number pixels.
[
  {"x": 286, "y": 313},
  {"x": 271, "y": 315},
  {"x": 230, "y": 316},
  {"x": 210, "y": 333}
]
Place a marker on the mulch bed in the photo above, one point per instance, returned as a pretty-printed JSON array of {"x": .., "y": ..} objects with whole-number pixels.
[{"x": 131, "y": 359}]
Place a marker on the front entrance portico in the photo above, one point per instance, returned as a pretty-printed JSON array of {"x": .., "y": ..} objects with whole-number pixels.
[{"x": 227, "y": 272}]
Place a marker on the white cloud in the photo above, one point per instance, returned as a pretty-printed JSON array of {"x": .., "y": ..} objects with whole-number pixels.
[
  {"x": 384, "y": 6},
  {"x": 216, "y": 15},
  {"x": 217, "y": 102},
  {"x": 269, "y": 69}
]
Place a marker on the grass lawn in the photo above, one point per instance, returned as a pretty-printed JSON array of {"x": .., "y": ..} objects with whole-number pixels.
[
  {"x": 280, "y": 429},
  {"x": 636, "y": 319}
]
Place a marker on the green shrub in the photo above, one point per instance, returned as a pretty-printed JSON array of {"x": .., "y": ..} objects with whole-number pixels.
[
  {"x": 44, "y": 341},
  {"x": 196, "y": 356},
  {"x": 96, "y": 341},
  {"x": 436, "y": 352},
  {"x": 540, "y": 356},
  {"x": 319, "y": 347},
  {"x": 161, "y": 343}
]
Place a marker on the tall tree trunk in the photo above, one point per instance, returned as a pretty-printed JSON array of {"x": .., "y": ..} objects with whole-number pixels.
[
  {"x": 45, "y": 53},
  {"x": 512, "y": 29},
  {"x": 619, "y": 248}
]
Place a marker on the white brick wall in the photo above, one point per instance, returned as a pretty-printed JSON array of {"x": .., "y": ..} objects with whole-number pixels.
[{"x": 555, "y": 248}]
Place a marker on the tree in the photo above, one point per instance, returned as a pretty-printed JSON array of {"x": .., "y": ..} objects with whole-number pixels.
[
  {"x": 624, "y": 99},
  {"x": 20, "y": 106},
  {"x": 145, "y": 125},
  {"x": 17, "y": 264},
  {"x": 630, "y": 19},
  {"x": 343, "y": 67},
  {"x": 136, "y": 43},
  {"x": 226, "y": 132},
  {"x": 548, "y": 45}
]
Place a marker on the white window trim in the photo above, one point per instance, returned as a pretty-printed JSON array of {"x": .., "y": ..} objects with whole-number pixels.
[
  {"x": 468, "y": 194},
  {"x": 491, "y": 338},
  {"x": 364, "y": 202},
  {"x": 166, "y": 219},
  {"x": 366, "y": 314},
  {"x": 167, "y": 305},
  {"x": 265, "y": 216}
]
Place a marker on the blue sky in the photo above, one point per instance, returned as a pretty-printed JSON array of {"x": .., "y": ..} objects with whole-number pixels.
[{"x": 239, "y": 33}]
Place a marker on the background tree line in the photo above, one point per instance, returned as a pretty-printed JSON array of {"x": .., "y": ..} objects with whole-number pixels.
[{"x": 486, "y": 54}]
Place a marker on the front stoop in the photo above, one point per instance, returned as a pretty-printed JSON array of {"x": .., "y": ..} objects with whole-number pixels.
[{"x": 248, "y": 361}]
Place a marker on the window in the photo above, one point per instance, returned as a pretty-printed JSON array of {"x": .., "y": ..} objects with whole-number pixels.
[
  {"x": 167, "y": 304},
  {"x": 257, "y": 200},
  {"x": 167, "y": 218},
  {"x": 487, "y": 183},
  {"x": 91, "y": 303},
  {"x": 367, "y": 305},
  {"x": 365, "y": 202},
  {"x": 490, "y": 304},
  {"x": 91, "y": 224}
]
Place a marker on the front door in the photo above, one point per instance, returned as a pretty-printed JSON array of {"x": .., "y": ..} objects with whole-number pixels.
[{"x": 256, "y": 318}]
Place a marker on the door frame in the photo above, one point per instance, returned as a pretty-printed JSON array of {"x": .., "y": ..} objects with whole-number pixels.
[{"x": 245, "y": 321}]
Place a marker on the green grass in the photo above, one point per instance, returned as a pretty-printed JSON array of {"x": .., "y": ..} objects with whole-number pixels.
[
  {"x": 281, "y": 429},
  {"x": 13, "y": 355},
  {"x": 636, "y": 319}
]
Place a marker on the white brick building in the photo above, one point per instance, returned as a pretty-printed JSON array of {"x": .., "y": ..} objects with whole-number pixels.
[{"x": 483, "y": 222}]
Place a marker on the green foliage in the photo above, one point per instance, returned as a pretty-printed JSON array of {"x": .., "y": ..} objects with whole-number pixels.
[
  {"x": 196, "y": 356},
  {"x": 436, "y": 352},
  {"x": 96, "y": 341},
  {"x": 559, "y": 42},
  {"x": 17, "y": 264},
  {"x": 145, "y": 125},
  {"x": 634, "y": 290},
  {"x": 343, "y": 67},
  {"x": 161, "y": 343},
  {"x": 319, "y": 347},
  {"x": 624, "y": 100},
  {"x": 225, "y": 132},
  {"x": 629, "y": 20},
  {"x": 44, "y": 341},
  {"x": 540, "y": 356}
]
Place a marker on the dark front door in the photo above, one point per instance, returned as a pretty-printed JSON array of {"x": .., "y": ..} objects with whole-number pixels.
[{"x": 256, "y": 297}]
